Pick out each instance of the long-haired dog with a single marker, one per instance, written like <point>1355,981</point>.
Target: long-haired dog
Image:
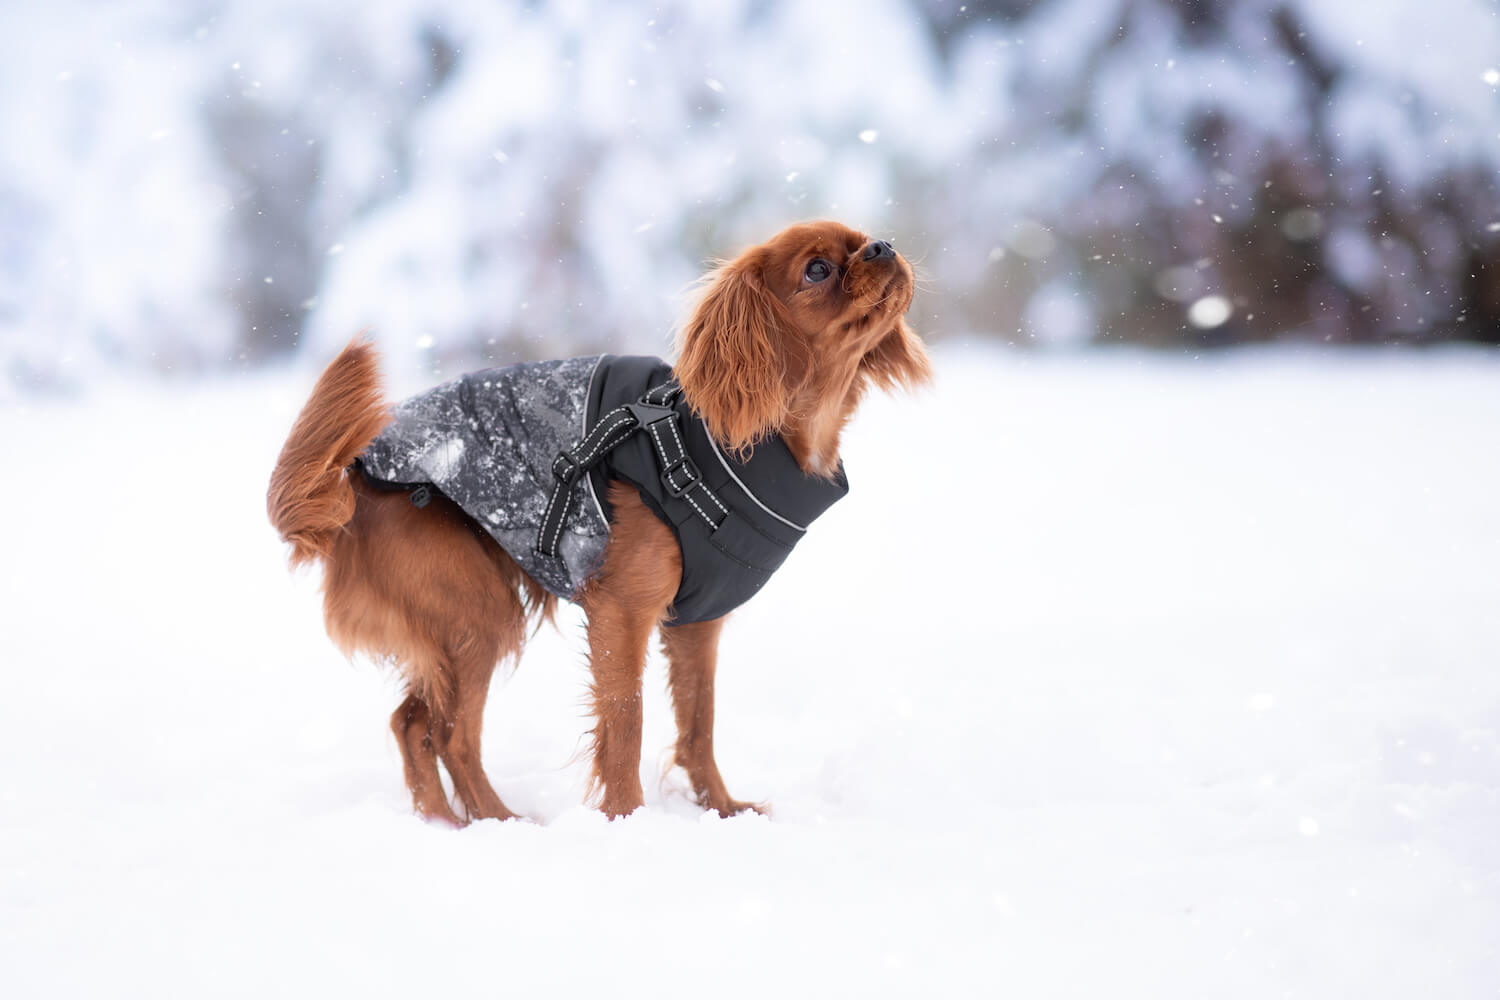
<point>784,341</point>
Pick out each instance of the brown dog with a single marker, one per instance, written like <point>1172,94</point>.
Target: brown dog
<point>782,345</point>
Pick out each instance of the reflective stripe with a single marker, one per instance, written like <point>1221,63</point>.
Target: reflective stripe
<point>583,429</point>
<point>720,455</point>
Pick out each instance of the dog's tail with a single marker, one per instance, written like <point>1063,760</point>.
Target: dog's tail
<point>310,498</point>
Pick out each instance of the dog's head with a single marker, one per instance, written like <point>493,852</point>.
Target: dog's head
<point>797,327</point>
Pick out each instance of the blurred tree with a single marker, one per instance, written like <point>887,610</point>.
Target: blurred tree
<point>1251,154</point>
<point>207,183</point>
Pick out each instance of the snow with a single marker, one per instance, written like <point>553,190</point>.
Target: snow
<point>1188,689</point>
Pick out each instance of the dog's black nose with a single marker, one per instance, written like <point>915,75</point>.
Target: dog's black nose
<point>878,249</point>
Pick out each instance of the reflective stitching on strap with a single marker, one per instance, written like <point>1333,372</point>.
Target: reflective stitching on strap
<point>683,451</point>
<point>710,521</point>
<point>668,390</point>
<point>667,463</point>
<point>606,436</point>
<point>542,543</point>
<point>618,423</point>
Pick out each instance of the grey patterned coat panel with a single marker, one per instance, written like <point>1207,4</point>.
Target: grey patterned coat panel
<point>487,440</point>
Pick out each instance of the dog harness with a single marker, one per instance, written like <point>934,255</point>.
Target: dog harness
<point>528,451</point>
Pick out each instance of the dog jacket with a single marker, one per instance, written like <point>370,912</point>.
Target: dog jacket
<point>528,451</point>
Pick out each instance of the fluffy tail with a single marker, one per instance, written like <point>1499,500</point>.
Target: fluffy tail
<point>310,498</point>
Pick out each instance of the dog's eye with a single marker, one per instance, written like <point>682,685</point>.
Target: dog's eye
<point>818,270</point>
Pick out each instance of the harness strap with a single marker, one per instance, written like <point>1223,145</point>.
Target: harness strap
<point>653,414</point>
<point>663,395</point>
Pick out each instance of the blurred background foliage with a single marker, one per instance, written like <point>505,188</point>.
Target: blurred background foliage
<point>198,185</point>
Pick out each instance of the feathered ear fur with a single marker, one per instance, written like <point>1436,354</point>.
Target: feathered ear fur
<point>898,360</point>
<point>734,355</point>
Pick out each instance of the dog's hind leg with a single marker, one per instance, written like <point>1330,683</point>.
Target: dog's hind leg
<point>460,746</point>
<point>412,724</point>
<point>487,627</point>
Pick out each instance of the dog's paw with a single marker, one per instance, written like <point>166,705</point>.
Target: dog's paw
<point>727,807</point>
<point>444,817</point>
<point>621,806</point>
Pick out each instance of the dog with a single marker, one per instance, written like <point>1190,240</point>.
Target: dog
<point>782,344</point>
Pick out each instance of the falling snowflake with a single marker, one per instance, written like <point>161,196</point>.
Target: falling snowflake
<point>1210,311</point>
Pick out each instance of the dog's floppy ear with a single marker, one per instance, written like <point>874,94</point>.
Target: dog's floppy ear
<point>898,360</point>
<point>733,355</point>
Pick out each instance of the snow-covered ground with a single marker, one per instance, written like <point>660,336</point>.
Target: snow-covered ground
<point>1116,675</point>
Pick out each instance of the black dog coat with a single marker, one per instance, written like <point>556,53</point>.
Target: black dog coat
<point>507,444</point>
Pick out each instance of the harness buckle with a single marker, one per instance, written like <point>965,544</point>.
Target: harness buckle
<point>647,414</point>
<point>690,472</point>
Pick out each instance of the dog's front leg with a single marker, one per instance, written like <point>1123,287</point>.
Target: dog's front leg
<point>631,594</point>
<point>692,656</point>
<point>617,656</point>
